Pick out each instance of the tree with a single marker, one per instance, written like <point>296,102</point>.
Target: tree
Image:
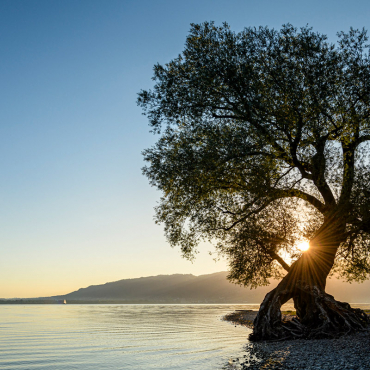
<point>264,143</point>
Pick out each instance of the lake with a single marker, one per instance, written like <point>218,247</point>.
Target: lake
<point>98,337</point>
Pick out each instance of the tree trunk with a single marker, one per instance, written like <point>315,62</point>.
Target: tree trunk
<point>319,315</point>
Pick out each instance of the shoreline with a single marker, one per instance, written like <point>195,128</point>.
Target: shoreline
<point>246,317</point>
<point>349,352</point>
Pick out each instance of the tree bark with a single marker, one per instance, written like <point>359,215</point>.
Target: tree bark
<point>319,315</point>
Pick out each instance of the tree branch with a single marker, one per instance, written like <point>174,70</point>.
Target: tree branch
<point>362,139</point>
<point>289,193</point>
<point>276,257</point>
<point>246,216</point>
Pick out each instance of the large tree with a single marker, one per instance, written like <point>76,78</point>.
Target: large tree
<point>263,144</point>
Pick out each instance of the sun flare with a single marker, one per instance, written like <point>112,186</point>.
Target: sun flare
<point>303,247</point>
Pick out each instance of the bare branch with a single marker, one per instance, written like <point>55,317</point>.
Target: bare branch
<point>276,257</point>
<point>302,195</point>
<point>362,139</point>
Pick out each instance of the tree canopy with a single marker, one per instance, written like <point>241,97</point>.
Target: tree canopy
<point>263,140</point>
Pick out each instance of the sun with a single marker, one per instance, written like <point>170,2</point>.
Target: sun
<point>303,247</point>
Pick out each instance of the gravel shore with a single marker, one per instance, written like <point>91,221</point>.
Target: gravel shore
<point>344,353</point>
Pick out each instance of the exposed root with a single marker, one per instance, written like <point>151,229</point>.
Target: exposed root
<point>324,317</point>
<point>336,318</point>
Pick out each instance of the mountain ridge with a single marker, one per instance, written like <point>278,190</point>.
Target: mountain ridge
<point>208,288</point>
<point>176,288</point>
<point>188,288</point>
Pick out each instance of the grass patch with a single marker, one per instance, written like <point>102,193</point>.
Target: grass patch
<point>289,313</point>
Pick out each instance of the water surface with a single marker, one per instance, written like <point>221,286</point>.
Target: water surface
<point>98,337</point>
<point>101,337</point>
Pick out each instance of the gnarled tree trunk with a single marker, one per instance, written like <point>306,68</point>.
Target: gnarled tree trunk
<point>319,315</point>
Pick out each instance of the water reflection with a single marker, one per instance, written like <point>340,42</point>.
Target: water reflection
<point>98,337</point>
<point>118,336</point>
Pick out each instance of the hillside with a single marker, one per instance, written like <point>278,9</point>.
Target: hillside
<point>178,288</point>
<point>212,288</point>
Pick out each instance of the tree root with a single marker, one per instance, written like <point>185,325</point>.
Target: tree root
<point>324,317</point>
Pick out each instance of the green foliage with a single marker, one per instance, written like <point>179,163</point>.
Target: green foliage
<point>263,138</point>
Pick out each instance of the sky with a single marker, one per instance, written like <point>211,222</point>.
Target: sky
<point>75,209</point>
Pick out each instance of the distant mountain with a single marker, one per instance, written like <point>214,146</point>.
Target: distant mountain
<point>212,288</point>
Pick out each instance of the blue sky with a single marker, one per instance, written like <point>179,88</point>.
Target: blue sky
<point>75,209</point>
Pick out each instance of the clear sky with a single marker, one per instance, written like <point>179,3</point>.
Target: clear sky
<point>75,209</point>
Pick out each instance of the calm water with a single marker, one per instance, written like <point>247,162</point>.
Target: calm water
<point>118,337</point>
<point>98,337</point>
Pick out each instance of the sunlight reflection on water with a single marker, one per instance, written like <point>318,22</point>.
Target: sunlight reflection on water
<point>96,337</point>
<point>118,336</point>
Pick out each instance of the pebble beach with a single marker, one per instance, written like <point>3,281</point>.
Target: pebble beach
<point>344,353</point>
